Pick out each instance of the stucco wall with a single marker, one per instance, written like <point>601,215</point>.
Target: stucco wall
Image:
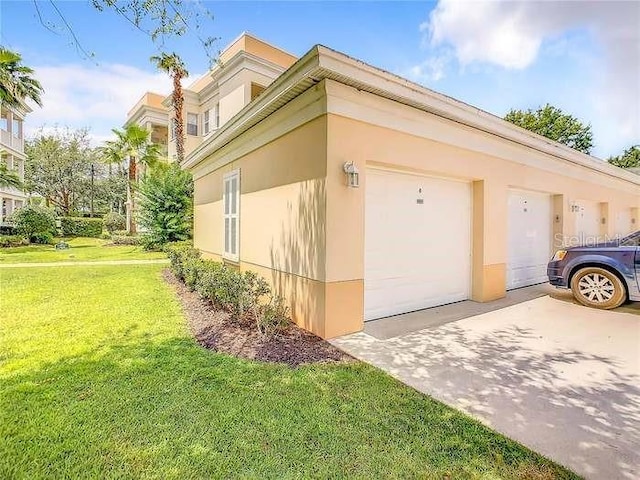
<point>303,229</point>
<point>282,217</point>
<point>374,132</point>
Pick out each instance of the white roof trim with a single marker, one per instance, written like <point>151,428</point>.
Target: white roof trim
<point>322,62</point>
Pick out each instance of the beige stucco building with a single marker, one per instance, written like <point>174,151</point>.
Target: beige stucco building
<point>453,203</point>
<point>12,154</point>
<point>244,69</point>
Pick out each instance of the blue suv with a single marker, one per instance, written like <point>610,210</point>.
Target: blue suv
<point>604,275</point>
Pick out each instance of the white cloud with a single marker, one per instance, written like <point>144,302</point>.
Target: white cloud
<point>97,97</point>
<point>510,34</point>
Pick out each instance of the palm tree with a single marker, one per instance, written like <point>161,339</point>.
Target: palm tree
<point>174,66</point>
<point>132,144</point>
<point>9,178</point>
<point>16,80</point>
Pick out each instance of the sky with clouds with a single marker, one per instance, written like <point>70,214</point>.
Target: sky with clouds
<point>583,57</point>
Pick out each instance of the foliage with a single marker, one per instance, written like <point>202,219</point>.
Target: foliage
<point>173,65</point>
<point>274,317</point>
<point>9,178</point>
<point>16,80</point>
<point>553,123</point>
<point>34,222</point>
<point>114,221</point>
<point>7,229</point>
<point>12,241</point>
<point>630,158</point>
<point>43,238</point>
<point>245,295</point>
<point>166,205</point>
<point>81,227</point>
<point>58,166</point>
<point>125,240</point>
<point>132,144</point>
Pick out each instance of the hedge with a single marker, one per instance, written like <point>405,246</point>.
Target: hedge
<point>245,295</point>
<point>81,227</point>
<point>12,241</point>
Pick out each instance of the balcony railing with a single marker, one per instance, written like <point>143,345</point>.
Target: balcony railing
<point>9,140</point>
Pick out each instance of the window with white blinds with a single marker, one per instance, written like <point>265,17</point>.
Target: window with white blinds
<point>231,202</point>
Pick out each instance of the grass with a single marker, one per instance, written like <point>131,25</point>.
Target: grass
<point>82,249</point>
<point>99,378</point>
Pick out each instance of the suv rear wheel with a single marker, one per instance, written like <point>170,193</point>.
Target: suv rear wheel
<point>597,287</point>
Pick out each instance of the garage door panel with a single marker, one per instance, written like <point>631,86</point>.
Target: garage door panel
<point>530,234</point>
<point>417,243</point>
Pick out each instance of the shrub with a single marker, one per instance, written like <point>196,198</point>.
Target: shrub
<point>43,238</point>
<point>7,230</point>
<point>245,295</point>
<point>178,253</point>
<point>125,240</point>
<point>114,221</point>
<point>12,241</point>
<point>81,227</point>
<point>32,220</point>
<point>274,317</point>
<point>105,236</point>
<point>166,205</point>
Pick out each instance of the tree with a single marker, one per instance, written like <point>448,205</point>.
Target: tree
<point>173,65</point>
<point>553,123</point>
<point>16,80</point>
<point>57,166</point>
<point>8,178</point>
<point>630,158</point>
<point>134,144</point>
<point>166,205</point>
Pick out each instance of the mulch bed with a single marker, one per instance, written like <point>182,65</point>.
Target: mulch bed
<point>214,329</point>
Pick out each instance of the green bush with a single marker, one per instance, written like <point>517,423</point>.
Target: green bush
<point>105,236</point>
<point>12,241</point>
<point>114,221</point>
<point>32,221</point>
<point>245,295</point>
<point>273,317</point>
<point>166,205</point>
<point>43,238</point>
<point>81,227</point>
<point>125,240</point>
<point>178,253</point>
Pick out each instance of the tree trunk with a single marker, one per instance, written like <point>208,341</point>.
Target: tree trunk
<point>178,101</point>
<point>131,193</point>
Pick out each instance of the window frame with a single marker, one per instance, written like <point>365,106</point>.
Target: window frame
<point>205,122</point>
<point>188,124</point>
<point>232,217</point>
<point>216,116</point>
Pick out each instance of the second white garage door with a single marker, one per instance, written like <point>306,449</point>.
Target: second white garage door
<point>530,236</point>
<point>417,242</point>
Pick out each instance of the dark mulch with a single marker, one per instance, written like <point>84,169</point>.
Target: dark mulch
<point>215,330</point>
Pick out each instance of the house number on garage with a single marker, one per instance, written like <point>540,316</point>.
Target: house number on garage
<point>420,200</point>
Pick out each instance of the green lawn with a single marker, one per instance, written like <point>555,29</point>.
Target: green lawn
<point>99,378</point>
<point>82,249</point>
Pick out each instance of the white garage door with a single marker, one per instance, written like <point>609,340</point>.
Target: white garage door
<point>530,236</point>
<point>417,242</point>
<point>623,225</point>
<point>587,222</point>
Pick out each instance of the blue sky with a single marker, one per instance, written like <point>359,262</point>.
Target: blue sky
<point>582,57</point>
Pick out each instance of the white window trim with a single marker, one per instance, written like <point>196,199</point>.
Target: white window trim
<point>231,216</point>
<point>196,124</point>
<point>206,122</point>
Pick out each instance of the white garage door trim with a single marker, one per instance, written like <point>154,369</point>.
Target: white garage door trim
<point>530,235</point>
<point>417,242</point>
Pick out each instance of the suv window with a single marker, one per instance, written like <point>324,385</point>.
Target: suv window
<point>632,240</point>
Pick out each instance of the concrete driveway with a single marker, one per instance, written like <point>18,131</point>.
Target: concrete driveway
<point>558,377</point>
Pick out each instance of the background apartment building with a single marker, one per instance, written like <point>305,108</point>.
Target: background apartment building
<point>244,70</point>
<point>12,154</point>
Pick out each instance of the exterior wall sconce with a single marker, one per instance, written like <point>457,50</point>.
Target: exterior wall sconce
<point>353,175</point>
